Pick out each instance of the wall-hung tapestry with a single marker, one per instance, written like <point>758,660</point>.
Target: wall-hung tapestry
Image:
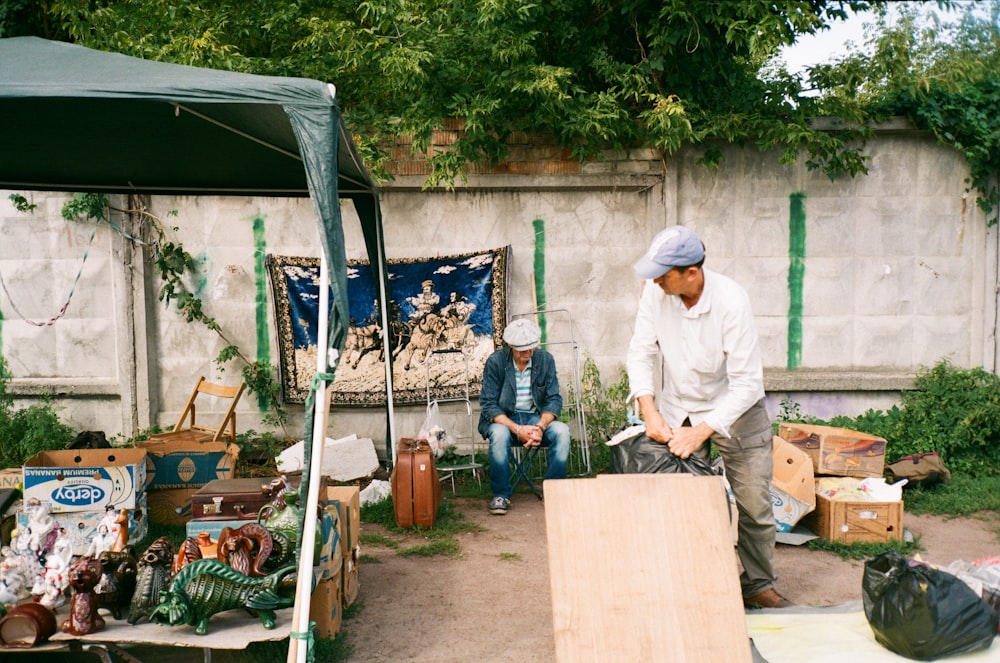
<point>446,315</point>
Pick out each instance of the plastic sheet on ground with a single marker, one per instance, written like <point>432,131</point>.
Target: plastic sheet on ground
<point>829,635</point>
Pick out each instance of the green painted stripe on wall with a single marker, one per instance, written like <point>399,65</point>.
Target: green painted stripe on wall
<point>260,301</point>
<point>796,275</point>
<point>539,267</point>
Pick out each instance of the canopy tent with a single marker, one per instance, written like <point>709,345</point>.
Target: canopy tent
<point>77,119</point>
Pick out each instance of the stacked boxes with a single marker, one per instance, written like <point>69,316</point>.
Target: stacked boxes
<point>347,500</point>
<point>846,453</point>
<point>837,451</point>
<point>80,485</point>
<point>793,493</point>
<point>178,465</point>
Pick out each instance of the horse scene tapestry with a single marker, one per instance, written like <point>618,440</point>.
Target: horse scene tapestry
<point>446,316</point>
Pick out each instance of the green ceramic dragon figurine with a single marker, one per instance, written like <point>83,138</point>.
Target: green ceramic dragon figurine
<point>205,587</point>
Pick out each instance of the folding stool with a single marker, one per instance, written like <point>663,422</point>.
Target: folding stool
<point>521,460</point>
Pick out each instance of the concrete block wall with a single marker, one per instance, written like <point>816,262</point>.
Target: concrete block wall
<point>900,270</point>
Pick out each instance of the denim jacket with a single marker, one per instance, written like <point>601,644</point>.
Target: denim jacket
<point>499,390</point>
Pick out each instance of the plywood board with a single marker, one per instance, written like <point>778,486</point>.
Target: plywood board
<point>643,569</point>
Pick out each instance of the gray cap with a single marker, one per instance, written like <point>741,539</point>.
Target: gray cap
<point>675,246</point>
<point>522,334</point>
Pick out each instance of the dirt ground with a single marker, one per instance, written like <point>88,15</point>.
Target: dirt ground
<point>493,603</point>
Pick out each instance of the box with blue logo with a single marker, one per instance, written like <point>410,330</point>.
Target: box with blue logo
<point>82,526</point>
<point>87,479</point>
<point>180,460</point>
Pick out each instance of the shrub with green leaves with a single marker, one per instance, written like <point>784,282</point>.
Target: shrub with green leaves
<point>605,409</point>
<point>26,431</point>
<point>954,411</point>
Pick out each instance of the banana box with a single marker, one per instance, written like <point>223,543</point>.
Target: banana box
<point>86,479</point>
<point>837,451</point>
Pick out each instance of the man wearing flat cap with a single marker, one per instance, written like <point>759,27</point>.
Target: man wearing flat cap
<point>696,331</point>
<point>520,405</point>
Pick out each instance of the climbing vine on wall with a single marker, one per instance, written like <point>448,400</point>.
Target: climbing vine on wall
<point>175,266</point>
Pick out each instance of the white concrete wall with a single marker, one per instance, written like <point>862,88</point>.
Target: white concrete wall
<point>900,271</point>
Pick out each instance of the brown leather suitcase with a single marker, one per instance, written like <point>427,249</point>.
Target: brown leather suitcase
<point>240,499</point>
<point>416,487</point>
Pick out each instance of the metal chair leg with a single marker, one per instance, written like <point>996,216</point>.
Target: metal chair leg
<point>521,467</point>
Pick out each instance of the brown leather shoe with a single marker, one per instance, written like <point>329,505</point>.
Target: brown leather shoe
<point>769,598</point>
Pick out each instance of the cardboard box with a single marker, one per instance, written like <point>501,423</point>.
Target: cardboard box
<point>849,522</point>
<point>793,492</point>
<point>837,451</point>
<point>86,479</point>
<point>326,609</point>
<point>212,527</point>
<point>82,525</point>
<point>186,461</point>
<point>348,500</point>
<point>331,559</point>
<point>12,478</point>
<point>327,556</point>
<point>352,580</point>
<point>170,507</point>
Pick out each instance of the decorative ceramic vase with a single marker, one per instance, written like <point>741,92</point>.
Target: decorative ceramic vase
<point>27,625</point>
<point>287,521</point>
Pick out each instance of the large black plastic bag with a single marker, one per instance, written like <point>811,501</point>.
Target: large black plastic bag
<point>641,455</point>
<point>921,612</point>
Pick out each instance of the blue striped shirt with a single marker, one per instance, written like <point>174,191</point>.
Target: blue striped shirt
<point>522,379</point>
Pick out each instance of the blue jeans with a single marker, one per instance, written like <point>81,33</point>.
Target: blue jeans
<point>556,439</point>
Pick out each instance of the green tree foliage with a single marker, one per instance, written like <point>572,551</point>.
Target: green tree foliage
<point>945,77</point>
<point>953,411</point>
<point>595,74</point>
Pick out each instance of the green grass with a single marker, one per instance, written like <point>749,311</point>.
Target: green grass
<point>962,496</point>
<point>444,547</point>
<point>510,557</point>
<point>865,550</point>
<point>380,540</point>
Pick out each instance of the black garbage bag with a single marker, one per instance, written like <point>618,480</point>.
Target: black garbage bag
<point>921,612</point>
<point>90,439</point>
<point>641,455</point>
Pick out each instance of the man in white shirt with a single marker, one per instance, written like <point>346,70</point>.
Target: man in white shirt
<point>696,328</point>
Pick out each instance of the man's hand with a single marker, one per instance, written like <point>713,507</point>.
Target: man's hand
<point>532,435</point>
<point>688,439</point>
<point>657,427</point>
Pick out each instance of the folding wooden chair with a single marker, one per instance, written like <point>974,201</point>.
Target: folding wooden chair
<point>189,427</point>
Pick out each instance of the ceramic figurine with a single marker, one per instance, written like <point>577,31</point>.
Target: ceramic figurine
<point>41,530</point>
<point>191,549</point>
<point>121,533</point>
<point>207,586</point>
<point>55,579</point>
<point>19,566</point>
<point>151,578</point>
<point>245,549</point>
<point>10,590</point>
<point>287,519</point>
<point>117,584</point>
<point>282,551</point>
<point>84,618</point>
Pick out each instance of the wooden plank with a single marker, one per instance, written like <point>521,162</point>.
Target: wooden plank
<point>643,569</point>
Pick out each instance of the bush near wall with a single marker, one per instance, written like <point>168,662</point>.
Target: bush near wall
<point>26,431</point>
<point>954,411</point>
